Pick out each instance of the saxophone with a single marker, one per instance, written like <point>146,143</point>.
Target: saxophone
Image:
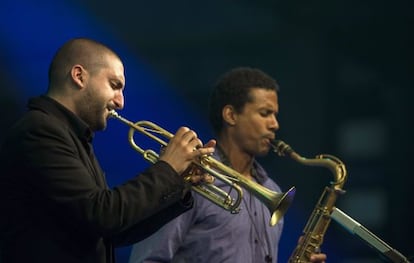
<point>318,223</point>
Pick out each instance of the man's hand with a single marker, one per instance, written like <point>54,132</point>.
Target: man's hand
<point>315,257</point>
<point>195,174</point>
<point>318,258</point>
<point>184,148</point>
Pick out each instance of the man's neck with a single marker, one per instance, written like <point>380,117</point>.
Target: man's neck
<point>239,160</point>
<point>67,100</point>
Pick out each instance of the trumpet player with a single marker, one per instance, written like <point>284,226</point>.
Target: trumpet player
<point>243,110</point>
<point>54,201</point>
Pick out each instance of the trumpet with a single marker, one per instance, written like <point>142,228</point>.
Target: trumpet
<point>277,203</point>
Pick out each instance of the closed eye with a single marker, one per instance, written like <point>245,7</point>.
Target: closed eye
<point>267,113</point>
<point>117,85</point>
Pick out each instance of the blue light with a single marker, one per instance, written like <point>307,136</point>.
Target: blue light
<point>31,32</point>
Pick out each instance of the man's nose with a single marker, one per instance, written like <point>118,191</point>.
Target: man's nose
<point>119,100</point>
<point>274,124</point>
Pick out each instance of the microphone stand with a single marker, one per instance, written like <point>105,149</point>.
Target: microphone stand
<point>392,255</point>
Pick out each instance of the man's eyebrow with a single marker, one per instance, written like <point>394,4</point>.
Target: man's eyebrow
<point>118,83</point>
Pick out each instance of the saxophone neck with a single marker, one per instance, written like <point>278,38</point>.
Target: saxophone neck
<point>334,164</point>
<point>319,220</point>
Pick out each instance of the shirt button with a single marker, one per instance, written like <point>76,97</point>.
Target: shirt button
<point>256,241</point>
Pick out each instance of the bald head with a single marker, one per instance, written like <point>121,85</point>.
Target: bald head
<point>86,52</point>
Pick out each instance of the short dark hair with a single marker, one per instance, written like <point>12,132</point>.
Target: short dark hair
<point>233,88</point>
<point>87,52</point>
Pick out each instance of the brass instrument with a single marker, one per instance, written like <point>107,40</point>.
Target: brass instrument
<point>318,223</point>
<point>277,203</point>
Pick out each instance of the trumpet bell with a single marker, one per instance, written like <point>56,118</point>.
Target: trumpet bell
<point>281,204</point>
<point>277,203</point>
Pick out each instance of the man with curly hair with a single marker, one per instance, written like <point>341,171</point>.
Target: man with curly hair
<point>243,110</point>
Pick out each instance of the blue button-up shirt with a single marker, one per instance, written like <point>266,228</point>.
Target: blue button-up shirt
<point>208,233</point>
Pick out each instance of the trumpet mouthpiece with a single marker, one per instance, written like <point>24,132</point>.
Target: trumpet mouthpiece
<point>113,113</point>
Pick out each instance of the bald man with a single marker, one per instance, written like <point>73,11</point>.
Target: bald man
<point>54,201</point>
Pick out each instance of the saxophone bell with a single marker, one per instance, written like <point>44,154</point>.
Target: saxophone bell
<point>320,218</point>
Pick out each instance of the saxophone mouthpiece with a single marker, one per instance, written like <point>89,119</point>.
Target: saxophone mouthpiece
<point>281,148</point>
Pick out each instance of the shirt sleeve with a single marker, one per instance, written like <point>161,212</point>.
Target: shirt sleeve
<point>52,161</point>
<point>148,226</point>
<point>163,245</point>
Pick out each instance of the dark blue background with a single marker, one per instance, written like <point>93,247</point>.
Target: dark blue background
<point>345,69</point>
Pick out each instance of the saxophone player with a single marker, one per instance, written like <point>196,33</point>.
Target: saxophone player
<point>243,110</point>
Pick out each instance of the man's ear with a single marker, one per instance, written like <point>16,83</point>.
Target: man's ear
<point>79,75</point>
<point>229,115</point>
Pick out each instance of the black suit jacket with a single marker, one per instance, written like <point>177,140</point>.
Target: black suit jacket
<point>55,205</point>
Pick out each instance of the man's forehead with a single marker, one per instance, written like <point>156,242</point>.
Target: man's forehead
<point>260,94</point>
<point>115,67</point>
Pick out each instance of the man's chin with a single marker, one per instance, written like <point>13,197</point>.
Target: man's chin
<point>264,151</point>
<point>103,126</point>
<point>99,126</point>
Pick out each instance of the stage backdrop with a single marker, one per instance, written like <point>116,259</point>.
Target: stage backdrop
<point>345,71</point>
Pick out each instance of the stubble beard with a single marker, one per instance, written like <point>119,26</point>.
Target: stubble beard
<point>97,119</point>
<point>262,149</point>
<point>93,114</point>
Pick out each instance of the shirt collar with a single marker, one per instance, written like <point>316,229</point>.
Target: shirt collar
<point>51,106</point>
<point>258,173</point>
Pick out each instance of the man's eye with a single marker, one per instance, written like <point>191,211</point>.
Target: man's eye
<point>115,85</point>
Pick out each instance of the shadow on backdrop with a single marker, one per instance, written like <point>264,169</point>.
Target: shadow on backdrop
<point>345,71</point>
